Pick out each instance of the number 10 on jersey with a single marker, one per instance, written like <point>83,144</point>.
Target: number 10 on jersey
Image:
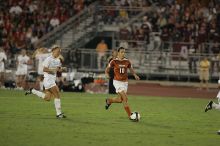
<point>122,70</point>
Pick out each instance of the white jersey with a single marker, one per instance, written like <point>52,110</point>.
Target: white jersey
<point>2,64</point>
<point>22,68</point>
<point>51,63</point>
<point>41,58</point>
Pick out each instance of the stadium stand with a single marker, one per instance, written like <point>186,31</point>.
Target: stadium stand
<point>24,22</point>
<point>164,38</point>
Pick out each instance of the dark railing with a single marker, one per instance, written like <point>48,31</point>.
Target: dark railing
<point>150,63</point>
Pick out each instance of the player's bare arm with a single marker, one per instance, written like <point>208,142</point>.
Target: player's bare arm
<point>134,74</point>
<point>61,69</point>
<point>50,70</point>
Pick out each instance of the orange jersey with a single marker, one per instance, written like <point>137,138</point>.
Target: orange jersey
<point>120,68</point>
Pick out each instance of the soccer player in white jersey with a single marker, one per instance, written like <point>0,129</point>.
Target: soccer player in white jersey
<point>40,56</point>
<point>214,105</point>
<point>3,58</point>
<point>51,65</point>
<point>22,69</point>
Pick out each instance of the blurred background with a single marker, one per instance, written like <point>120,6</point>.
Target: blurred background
<point>166,40</point>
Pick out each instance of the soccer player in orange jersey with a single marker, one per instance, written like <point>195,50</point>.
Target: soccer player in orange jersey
<point>120,82</point>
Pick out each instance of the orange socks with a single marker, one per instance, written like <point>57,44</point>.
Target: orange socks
<point>119,100</point>
<point>128,110</point>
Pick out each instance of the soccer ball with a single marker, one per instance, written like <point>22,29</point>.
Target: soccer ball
<point>135,116</point>
<point>218,132</point>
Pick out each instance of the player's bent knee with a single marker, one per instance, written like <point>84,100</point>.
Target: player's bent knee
<point>119,100</point>
<point>47,98</point>
<point>124,99</point>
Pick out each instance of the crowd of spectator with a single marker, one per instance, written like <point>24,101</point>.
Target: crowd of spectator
<point>192,21</point>
<point>24,22</point>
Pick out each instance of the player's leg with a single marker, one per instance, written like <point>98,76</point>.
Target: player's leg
<point>36,92</point>
<point>48,84</point>
<point>208,106</point>
<point>57,102</point>
<point>207,84</point>
<point>201,80</point>
<point>217,105</point>
<point>2,79</point>
<point>119,86</point>
<point>109,101</point>
<point>117,99</point>
<point>125,103</point>
<point>212,104</point>
<point>23,81</point>
<point>48,95</point>
<point>40,80</point>
<point>206,80</point>
<point>17,81</point>
<point>121,89</point>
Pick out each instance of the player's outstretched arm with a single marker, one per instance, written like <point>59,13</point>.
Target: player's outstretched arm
<point>134,74</point>
<point>62,69</point>
<point>50,70</point>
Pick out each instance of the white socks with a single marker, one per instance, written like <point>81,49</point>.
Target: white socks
<point>57,104</point>
<point>41,86</point>
<point>57,101</point>
<point>216,106</point>
<point>38,93</point>
<point>218,95</point>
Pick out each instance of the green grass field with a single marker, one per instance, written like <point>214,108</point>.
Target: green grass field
<point>30,121</point>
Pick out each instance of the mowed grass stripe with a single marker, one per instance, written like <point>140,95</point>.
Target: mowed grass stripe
<point>29,121</point>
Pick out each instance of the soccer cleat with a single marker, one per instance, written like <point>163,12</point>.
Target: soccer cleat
<point>29,91</point>
<point>218,132</point>
<point>130,119</point>
<point>208,106</point>
<point>107,105</point>
<point>61,116</point>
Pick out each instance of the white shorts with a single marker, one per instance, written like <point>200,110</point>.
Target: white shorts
<point>49,83</point>
<point>218,95</point>
<point>120,86</point>
<point>40,70</point>
<point>21,71</point>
